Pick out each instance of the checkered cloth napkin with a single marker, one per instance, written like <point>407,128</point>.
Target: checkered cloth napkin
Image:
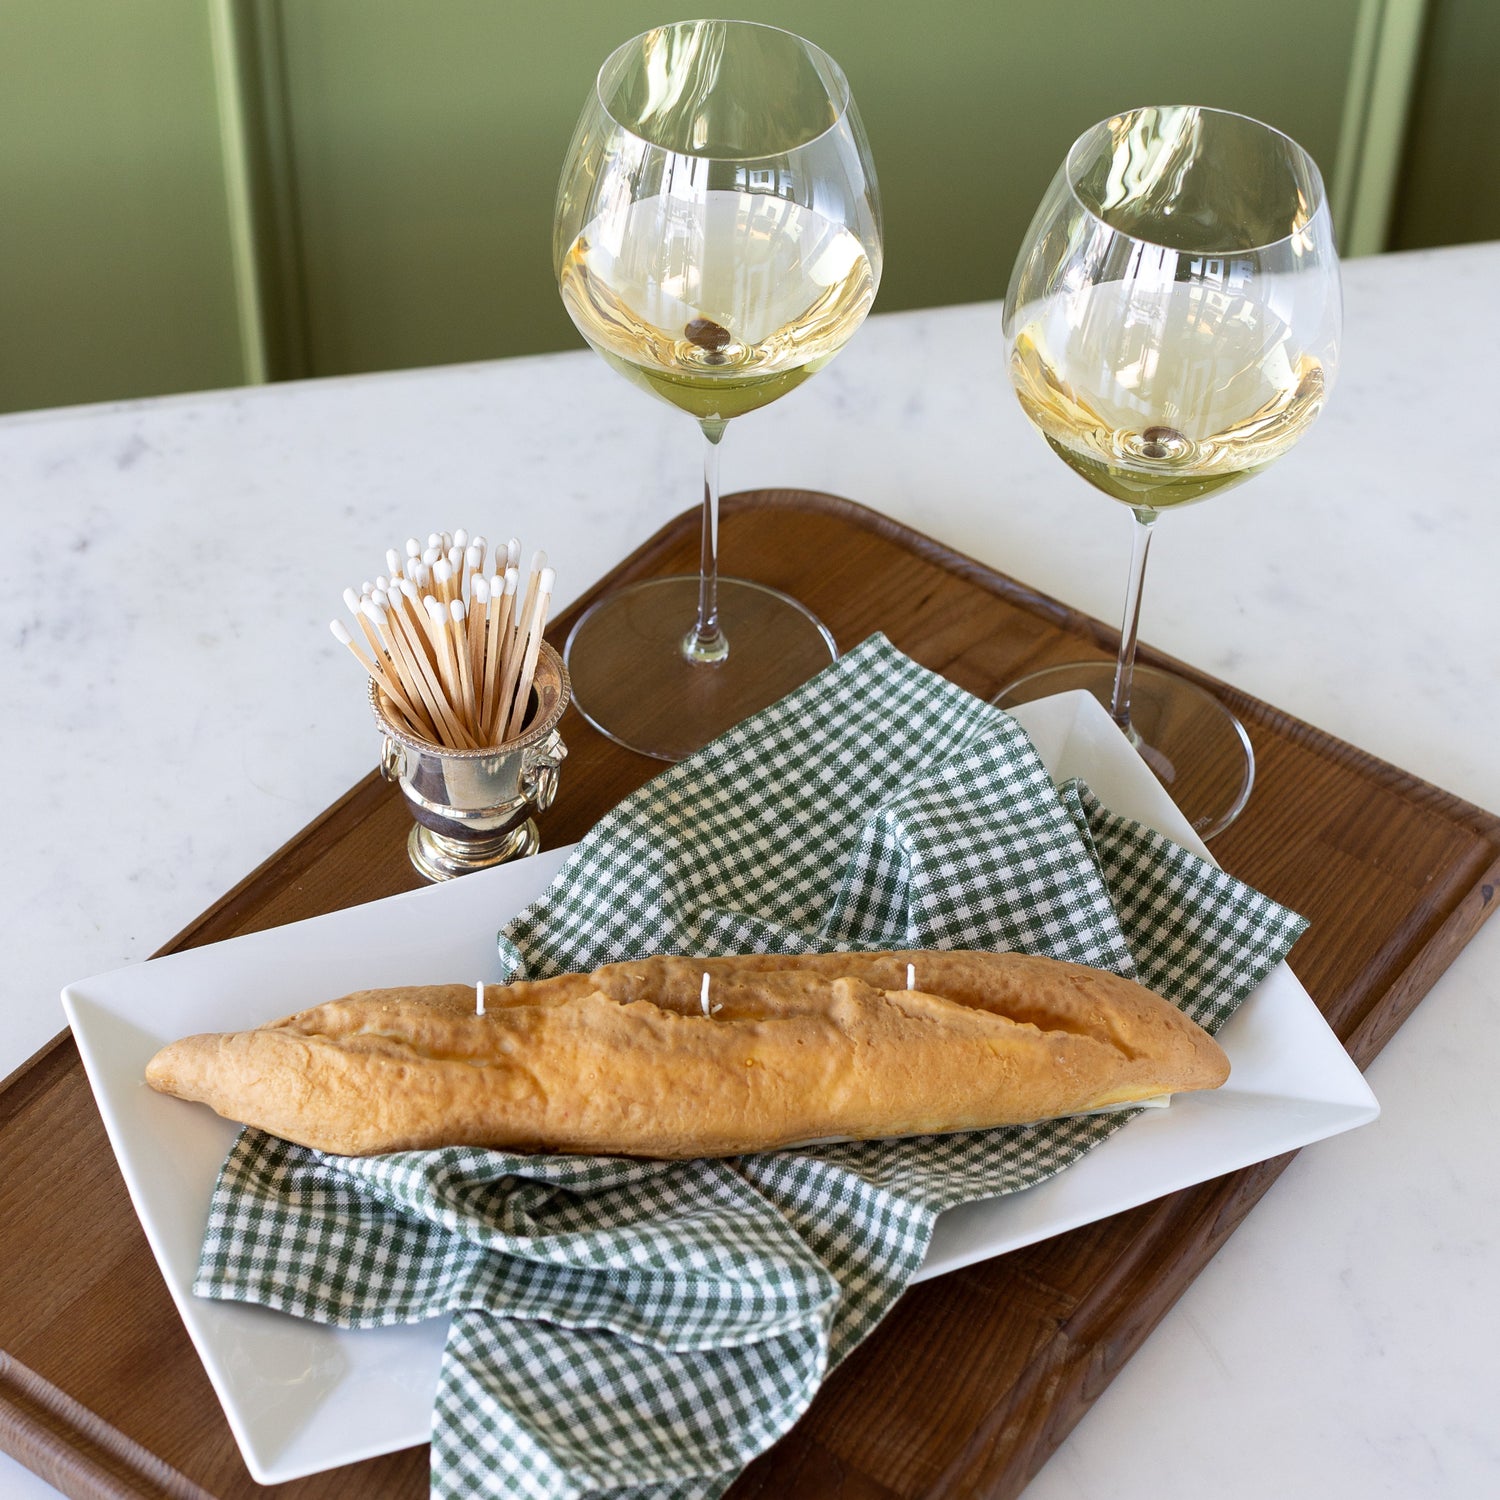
<point>644,1329</point>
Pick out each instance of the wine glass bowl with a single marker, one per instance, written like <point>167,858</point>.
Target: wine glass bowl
<point>717,241</point>
<point>1173,323</point>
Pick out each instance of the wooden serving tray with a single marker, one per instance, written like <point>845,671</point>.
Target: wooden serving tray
<point>975,1377</point>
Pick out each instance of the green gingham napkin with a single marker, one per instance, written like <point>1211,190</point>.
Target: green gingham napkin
<point>644,1329</point>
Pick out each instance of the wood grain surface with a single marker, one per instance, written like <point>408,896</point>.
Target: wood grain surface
<point>975,1377</point>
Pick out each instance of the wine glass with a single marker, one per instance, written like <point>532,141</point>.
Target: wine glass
<point>717,241</point>
<point>1173,324</point>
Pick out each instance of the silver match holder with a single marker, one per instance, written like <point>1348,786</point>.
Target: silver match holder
<point>473,808</point>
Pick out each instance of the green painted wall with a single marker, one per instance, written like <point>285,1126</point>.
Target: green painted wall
<point>405,155</point>
<point>115,271</point>
<point>428,139</point>
<point>1452,158</point>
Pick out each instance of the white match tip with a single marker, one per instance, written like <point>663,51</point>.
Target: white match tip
<point>512,577</point>
<point>456,610</point>
<point>392,560</point>
<point>352,600</point>
<point>409,591</point>
<point>472,556</point>
<point>431,555</point>
<point>421,575</point>
<point>382,583</point>
<point>481,588</point>
<point>380,599</point>
<point>513,552</point>
<point>548,578</point>
<point>434,540</point>
<point>461,537</point>
<point>341,635</point>
<point>434,609</point>
<point>446,540</point>
<point>442,570</point>
<point>367,587</point>
<point>371,610</point>
<point>538,561</point>
<point>413,547</point>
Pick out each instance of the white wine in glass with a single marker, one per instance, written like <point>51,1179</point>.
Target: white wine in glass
<point>1173,323</point>
<point>801,286</point>
<point>717,242</point>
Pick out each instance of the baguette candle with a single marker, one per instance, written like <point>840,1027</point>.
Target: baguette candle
<point>623,1060</point>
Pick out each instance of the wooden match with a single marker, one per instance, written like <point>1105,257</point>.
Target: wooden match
<point>450,648</point>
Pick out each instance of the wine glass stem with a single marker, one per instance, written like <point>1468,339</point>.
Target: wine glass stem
<point>1119,706</point>
<point>705,642</point>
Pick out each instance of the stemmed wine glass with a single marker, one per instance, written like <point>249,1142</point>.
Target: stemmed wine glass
<point>717,241</point>
<point>1173,322</point>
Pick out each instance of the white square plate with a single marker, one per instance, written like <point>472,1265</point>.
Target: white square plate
<point>301,1398</point>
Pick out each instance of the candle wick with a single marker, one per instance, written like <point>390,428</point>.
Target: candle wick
<point>479,998</point>
<point>911,976</point>
<point>703,997</point>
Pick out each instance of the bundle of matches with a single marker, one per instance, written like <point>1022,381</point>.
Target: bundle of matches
<point>452,649</point>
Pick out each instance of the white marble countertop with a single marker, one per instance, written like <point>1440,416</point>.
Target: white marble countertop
<point>176,709</point>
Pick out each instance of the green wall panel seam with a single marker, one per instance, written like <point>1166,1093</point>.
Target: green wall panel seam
<point>1343,184</point>
<point>1377,108</point>
<point>244,234</point>
<point>1397,61</point>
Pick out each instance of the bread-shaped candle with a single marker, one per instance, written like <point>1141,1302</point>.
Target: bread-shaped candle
<point>686,1057</point>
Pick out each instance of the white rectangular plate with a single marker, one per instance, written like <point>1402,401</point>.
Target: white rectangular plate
<point>301,1398</point>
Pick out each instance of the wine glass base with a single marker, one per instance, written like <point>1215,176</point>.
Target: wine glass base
<point>631,681</point>
<point>1196,748</point>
